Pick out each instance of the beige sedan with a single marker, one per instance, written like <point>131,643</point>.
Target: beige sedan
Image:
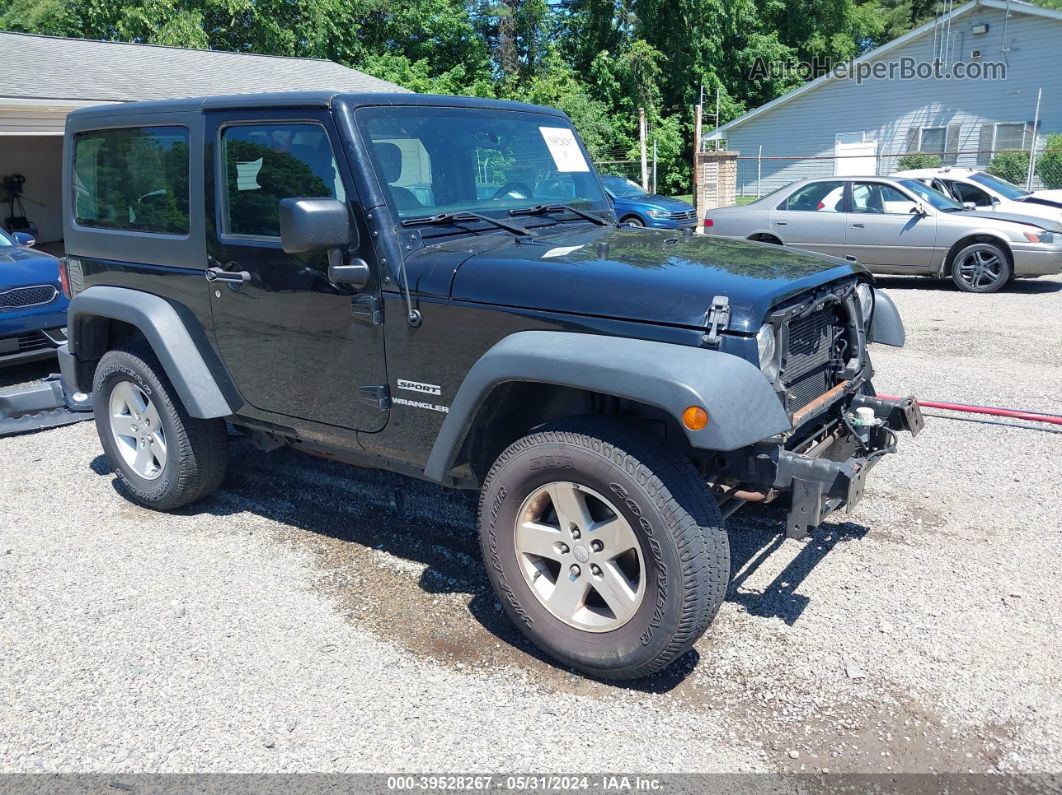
<point>898,226</point>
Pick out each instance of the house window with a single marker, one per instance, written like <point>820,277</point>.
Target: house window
<point>1010,136</point>
<point>933,139</point>
<point>132,178</point>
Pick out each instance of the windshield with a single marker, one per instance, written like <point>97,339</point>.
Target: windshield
<point>451,160</point>
<point>929,196</point>
<point>623,188</point>
<point>1000,186</point>
<point>5,241</point>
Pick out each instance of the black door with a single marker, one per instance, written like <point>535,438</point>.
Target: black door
<point>295,343</point>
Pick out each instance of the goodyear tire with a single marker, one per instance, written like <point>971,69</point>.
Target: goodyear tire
<point>164,458</point>
<point>604,547</point>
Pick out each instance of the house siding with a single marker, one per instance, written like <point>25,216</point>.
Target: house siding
<point>888,110</point>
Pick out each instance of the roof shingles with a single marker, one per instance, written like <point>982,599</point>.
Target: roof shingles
<point>45,67</point>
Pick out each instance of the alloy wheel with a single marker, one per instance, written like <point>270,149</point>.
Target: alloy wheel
<point>137,430</point>
<point>981,268</point>
<point>580,557</point>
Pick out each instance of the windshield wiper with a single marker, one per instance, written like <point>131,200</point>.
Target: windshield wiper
<point>542,209</point>
<point>449,218</point>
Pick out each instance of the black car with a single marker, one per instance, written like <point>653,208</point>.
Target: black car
<point>438,286</point>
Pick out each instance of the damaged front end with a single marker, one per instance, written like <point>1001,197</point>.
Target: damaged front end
<point>822,374</point>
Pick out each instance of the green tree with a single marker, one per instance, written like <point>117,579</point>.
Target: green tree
<point>1049,164</point>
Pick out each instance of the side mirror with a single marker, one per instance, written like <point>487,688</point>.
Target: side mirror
<point>920,210</point>
<point>969,205</point>
<point>315,225</point>
<point>24,239</point>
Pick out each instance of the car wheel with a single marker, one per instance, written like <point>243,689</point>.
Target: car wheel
<point>605,548</point>
<point>164,458</point>
<point>980,268</point>
<point>633,220</point>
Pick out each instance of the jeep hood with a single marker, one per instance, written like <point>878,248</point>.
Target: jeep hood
<point>647,275</point>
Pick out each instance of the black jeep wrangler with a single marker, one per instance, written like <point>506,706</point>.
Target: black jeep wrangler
<point>438,286</point>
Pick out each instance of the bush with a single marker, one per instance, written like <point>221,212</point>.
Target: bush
<point>918,160</point>
<point>1049,164</point>
<point>1013,166</point>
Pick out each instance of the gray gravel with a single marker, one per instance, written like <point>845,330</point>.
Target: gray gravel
<point>314,617</point>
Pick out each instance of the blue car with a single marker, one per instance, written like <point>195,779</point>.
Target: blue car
<point>635,205</point>
<point>32,301</point>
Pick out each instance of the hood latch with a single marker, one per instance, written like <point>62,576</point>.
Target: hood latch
<point>716,318</point>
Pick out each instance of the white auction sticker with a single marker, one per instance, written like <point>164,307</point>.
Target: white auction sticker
<point>564,148</point>
<point>561,251</point>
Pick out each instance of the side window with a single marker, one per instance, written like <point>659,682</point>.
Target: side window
<point>133,179</point>
<point>823,197</point>
<point>265,163</point>
<point>880,199</point>
<point>968,193</point>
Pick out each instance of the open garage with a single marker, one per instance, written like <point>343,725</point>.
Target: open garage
<point>48,77</point>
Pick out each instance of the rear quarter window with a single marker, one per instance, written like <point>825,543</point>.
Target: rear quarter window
<point>132,179</point>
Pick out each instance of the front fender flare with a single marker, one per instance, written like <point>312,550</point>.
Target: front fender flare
<point>886,326</point>
<point>741,403</point>
<point>169,338</point>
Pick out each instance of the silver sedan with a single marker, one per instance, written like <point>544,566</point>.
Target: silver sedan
<point>899,226</point>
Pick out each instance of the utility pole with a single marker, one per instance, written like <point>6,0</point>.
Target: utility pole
<point>696,148</point>
<point>641,145</point>
<point>1032,146</point>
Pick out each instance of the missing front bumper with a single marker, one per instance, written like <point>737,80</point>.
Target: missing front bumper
<point>819,485</point>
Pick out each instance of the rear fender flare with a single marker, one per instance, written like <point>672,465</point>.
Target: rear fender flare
<point>741,403</point>
<point>181,358</point>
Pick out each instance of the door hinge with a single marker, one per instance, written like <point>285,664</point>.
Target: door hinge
<point>367,309</point>
<point>378,395</point>
<point>716,318</point>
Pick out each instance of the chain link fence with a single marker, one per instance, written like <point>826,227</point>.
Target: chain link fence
<point>760,174</point>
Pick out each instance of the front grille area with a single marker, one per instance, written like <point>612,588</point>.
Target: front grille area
<point>808,360</point>
<point>21,297</point>
<point>683,215</point>
<point>24,343</point>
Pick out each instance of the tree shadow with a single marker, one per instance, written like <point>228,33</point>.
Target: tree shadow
<point>1017,286</point>
<point>436,527</point>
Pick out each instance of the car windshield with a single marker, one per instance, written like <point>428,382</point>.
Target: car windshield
<point>1001,186</point>
<point>623,188</point>
<point>450,160</point>
<point>934,198</point>
<point>5,241</point>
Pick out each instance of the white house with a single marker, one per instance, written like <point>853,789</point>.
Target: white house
<point>998,54</point>
<point>47,77</point>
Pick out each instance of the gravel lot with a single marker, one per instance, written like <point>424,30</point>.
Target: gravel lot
<point>315,617</point>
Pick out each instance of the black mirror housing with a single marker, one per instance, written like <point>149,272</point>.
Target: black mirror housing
<point>314,224</point>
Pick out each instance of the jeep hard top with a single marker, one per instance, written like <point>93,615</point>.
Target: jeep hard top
<point>438,286</point>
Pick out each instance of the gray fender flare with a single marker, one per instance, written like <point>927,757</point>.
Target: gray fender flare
<point>168,336</point>
<point>886,326</point>
<point>741,403</point>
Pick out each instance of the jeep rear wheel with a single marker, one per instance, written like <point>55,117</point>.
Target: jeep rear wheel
<point>604,547</point>
<point>164,458</point>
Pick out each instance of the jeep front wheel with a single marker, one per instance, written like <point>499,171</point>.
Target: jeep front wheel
<point>604,547</point>
<point>164,457</point>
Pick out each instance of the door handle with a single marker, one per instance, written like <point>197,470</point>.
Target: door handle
<point>229,277</point>
<point>780,223</point>
<point>857,226</point>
